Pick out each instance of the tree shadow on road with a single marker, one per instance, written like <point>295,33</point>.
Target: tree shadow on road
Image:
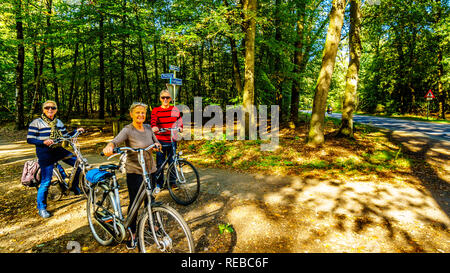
<point>426,150</point>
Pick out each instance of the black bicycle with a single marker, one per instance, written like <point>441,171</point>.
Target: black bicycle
<point>181,177</point>
<point>160,227</point>
<point>61,182</point>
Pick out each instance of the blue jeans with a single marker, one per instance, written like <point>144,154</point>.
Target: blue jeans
<point>46,179</point>
<point>167,151</point>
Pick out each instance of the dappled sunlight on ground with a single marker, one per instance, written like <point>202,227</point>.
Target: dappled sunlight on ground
<point>372,195</point>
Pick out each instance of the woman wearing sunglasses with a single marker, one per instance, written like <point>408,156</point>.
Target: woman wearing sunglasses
<point>41,132</point>
<point>165,116</point>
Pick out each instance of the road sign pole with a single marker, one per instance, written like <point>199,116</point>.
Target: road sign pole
<point>174,90</point>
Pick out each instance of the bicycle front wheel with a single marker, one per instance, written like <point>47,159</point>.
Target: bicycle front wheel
<point>100,209</point>
<point>172,232</point>
<point>183,182</point>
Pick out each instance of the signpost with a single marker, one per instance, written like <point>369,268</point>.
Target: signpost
<point>430,96</point>
<point>174,68</point>
<point>174,82</point>
<point>167,76</point>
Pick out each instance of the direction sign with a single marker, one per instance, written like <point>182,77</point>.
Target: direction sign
<point>176,81</point>
<point>173,67</point>
<point>429,95</point>
<point>167,76</point>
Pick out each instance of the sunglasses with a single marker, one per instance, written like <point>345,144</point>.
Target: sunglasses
<point>50,107</point>
<point>165,98</point>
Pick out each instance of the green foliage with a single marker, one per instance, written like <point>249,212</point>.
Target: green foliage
<point>225,228</point>
<point>399,61</point>
<point>215,148</point>
<point>399,64</point>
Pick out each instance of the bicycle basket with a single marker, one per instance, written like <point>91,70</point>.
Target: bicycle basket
<point>96,175</point>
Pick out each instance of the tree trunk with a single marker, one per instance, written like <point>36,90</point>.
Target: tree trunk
<point>101,103</point>
<point>156,80</point>
<point>147,92</point>
<point>37,89</point>
<point>441,94</point>
<point>279,78</point>
<point>298,60</point>
<point>200,77</point>
<point>146,89</point>
<point>250,31</point>
<point>52,55</point>
<point>234,58</point>
<point>316,130</point>
<point>111,94</point>
<point>20,118</point>
<point>85,86</point>
<point>139,94</point>
<point>346,129</point>
<point>72,82</point>
<point>122,83</point>
<point>122,70</point>
<point>248,95</point>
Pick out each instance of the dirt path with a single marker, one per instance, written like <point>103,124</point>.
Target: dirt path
<point>266,213</point>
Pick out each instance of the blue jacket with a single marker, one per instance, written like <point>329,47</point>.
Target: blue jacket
<point>38,131</point>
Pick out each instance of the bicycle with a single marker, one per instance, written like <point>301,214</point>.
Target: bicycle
<point>182,178</point>
<point>59,187</point>
<point>160,227</point>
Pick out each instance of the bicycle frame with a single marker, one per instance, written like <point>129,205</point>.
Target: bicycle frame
<point>175,156</point>
<point>81,162</point>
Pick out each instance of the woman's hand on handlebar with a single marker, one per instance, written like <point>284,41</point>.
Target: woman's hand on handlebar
<point>157,147</point>
<point>109,149</point>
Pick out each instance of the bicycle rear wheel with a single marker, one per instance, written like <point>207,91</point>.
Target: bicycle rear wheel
<point>183,182</point>
<point>172,232</point>
<point>100,209</point>
<point>56,190</point>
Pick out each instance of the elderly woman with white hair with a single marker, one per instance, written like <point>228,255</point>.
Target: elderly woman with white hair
<point>135,135</point>
<point>42,132</point>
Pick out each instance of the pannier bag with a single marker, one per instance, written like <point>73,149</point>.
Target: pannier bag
<point>96,175</point>
<point>31,174</point>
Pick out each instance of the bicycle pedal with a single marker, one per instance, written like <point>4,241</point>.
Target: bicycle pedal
<point>156,191</point>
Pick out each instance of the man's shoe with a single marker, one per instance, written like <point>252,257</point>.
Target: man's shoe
<point>44,213</point>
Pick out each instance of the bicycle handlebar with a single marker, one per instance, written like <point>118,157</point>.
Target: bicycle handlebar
<point>163,130</point>
<point>66,138</point>
<point>121,150</point>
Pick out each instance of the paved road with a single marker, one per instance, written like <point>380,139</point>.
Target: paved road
<point>440,131</point>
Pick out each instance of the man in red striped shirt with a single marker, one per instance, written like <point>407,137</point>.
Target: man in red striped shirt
<point>165,116</point>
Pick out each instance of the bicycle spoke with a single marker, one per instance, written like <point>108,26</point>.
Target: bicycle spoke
<point>100,205</point>
<point>171,231</point>
<point>186,179</point>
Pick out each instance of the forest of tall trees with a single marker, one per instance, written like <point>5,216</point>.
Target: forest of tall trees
<point>94,57</point>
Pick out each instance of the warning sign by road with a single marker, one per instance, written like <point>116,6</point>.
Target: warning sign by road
<point>429,95</point>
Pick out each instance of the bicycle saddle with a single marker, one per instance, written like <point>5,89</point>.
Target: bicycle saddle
<point>109,167</point>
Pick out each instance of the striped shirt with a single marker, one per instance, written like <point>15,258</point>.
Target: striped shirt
<point>38,131</point>
<point>165,118</point>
